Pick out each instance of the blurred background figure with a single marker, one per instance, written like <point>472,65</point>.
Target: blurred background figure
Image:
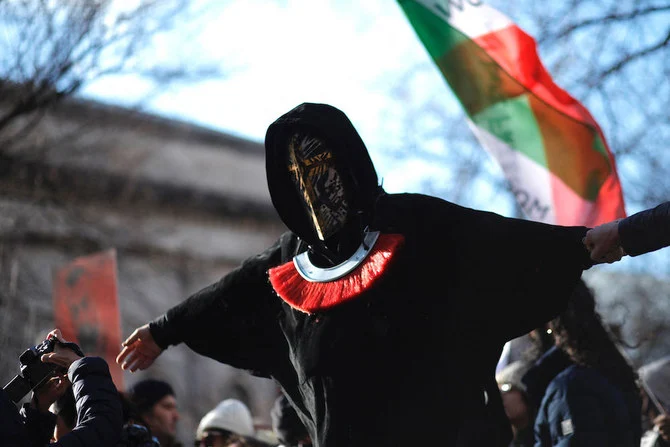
<point>515,349</point>
<point>134,432</point>
<point>591,395</point>
<point>655,384</point>
<point>287,425</point>
<point>229,424</point>
<point>516,402</point>
<point>156,406</point>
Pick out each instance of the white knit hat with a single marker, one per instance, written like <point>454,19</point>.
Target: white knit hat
<point>229,414</point>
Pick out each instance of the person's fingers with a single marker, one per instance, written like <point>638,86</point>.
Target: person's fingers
<point>123,354</point>
<point>133,365</point>
<point>127,356</point>
<point>136,335</point>
<point>145,363</point>
<point>139,359</point>
<point>54,334</point>
<point>131,339</point>
<point>612,256</point>
<point>141,362</point>
<point>588,240</point>
<point>54,358</point>
<point>59,335</point>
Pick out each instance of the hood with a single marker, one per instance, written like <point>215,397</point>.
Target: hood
<point>350,153</point>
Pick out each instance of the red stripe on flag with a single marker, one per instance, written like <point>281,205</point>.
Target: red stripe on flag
<point>516,53</point>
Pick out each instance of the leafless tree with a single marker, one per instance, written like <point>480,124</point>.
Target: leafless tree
<point>50,49</point>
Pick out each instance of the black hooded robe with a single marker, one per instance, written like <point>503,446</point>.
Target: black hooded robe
<point>411,361</point>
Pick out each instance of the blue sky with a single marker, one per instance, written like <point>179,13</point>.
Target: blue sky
<point>351,54</point>
<point>282,53</point>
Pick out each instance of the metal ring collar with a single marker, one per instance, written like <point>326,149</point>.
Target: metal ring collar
<point>313,273</point>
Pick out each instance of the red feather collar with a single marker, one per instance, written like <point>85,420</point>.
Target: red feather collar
<point>310,297</point>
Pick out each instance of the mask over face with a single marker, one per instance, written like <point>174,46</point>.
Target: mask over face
<point>320,185</point>
<point>321,180</point>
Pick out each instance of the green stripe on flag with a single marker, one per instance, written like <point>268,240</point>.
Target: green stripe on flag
<point>437,36</point>
<point>500,82</point>
<point>513,122</point>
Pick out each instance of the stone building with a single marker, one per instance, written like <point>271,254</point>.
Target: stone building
<point>180,204</point>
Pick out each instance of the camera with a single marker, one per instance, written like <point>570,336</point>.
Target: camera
<point>134,435</point>
<point>34,372</point>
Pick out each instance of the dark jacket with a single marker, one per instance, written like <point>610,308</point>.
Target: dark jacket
<point>99,414</point>
<point>411,360</point>
<point>544,370</point>
<point>646,231</point>
<point>581,407</point>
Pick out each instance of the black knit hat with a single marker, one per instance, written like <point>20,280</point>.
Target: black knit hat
<point>146,393</point>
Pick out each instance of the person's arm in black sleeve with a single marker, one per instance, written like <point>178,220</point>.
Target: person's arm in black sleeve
<point>39,425</point>
<point>532,269</point>
<point>645,231</point>
<point>234,321</point>
<point>12,429</point>
<point>513,274</point>
<point>99,412</point>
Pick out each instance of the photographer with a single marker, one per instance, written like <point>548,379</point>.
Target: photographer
<point>99,413</point>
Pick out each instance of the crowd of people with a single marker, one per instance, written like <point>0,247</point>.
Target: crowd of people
<point>382,317</point>
<point>78,405</point>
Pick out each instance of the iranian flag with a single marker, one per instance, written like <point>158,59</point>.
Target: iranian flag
<point>548,145</point>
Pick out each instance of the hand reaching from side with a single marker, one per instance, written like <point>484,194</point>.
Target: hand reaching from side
<point>139,350</point>
<point>603,243</point>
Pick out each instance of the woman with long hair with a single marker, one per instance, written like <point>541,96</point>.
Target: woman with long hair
<point>592,397</point>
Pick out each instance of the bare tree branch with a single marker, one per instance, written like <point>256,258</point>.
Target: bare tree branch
<point>54,48</point>
<point>627,59</point>
<point>600,21</point>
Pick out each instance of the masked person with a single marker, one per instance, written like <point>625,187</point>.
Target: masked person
<point>376,313</point>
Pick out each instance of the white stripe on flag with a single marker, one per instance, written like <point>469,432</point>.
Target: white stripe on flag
<point>471,17</point>
<point>530,182</point>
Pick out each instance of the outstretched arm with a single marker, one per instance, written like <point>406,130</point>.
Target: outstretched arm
<point>139,350</point>
<point>603,243</point>
<point>233,321</point>
<point>643,232</point>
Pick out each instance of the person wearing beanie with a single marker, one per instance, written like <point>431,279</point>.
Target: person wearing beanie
<point>229,424</point>
<point>655,384</point>
<point>156,405</point>
<point>287,425</point>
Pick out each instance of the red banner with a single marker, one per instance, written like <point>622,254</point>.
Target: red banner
<point>86,307</point>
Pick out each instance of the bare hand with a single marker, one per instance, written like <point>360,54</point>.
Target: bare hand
<point>662,422</point>
<point>61,355</point>
<point>49,392</point>
<point>139,350</point>
<point>603,244</point>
